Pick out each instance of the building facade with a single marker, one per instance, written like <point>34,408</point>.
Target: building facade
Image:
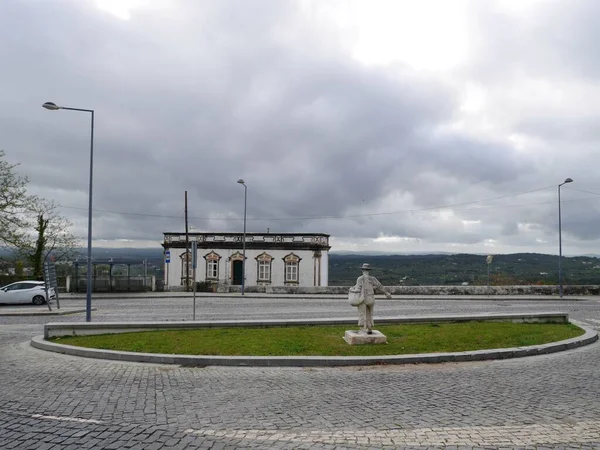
<point>272,259</point>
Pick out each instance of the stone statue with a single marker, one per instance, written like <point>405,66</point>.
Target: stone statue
<point>364,294</point>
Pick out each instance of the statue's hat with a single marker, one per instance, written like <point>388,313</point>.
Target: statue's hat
<point>365,266</point>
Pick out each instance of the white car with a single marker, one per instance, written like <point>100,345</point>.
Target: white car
<point>26,292</point>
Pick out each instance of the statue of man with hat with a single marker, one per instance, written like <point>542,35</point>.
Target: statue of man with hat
<point>364,291</point>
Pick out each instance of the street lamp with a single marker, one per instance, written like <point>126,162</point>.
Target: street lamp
<point>560,280</point>
<point>240,181</point>
<point>88,306</point>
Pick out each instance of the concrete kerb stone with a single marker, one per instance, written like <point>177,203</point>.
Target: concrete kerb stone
<point>588,337</point>
<point>337,296</point>
<point>88,328</point>
<point>41,312</point>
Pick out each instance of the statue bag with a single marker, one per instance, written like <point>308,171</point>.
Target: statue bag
<point>355,296</point>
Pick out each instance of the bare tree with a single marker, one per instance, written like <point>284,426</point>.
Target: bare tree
<point>30,226</point>
<point>14,202</point>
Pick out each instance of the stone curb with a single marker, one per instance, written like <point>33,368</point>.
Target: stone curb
<point>202,295</point>
<point>58,329</point>
<point>54,312</point>
<point>588,337</point>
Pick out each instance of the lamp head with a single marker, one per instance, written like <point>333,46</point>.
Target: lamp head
<point>240,181</point>
<point>51,106</point>
<point>569,180</point>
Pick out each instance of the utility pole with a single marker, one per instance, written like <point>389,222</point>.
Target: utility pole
<point>240,181</point>
<point>187,246</point>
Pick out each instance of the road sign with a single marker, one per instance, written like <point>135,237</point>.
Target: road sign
<point>167,257</point>
<point>50,281</point>
<point>50,275</point>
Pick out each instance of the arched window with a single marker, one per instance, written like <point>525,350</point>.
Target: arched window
<point>291,269</point>
<point>263,268</point>
<point>212,266</point>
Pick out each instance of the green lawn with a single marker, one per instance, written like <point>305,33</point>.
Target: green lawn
<point>328,340</point>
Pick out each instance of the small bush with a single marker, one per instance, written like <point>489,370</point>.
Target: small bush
<point>204,286</point>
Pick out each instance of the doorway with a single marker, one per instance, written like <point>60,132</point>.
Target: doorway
<point>238,272</point>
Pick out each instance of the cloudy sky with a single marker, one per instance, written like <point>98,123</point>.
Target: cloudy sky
<point>400,125</point>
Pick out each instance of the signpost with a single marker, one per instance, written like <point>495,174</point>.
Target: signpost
<point>194,254</point>
<point>50,282</point>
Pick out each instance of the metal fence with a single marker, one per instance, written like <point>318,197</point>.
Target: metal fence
<point>111,284</point>
<point>110,276</point>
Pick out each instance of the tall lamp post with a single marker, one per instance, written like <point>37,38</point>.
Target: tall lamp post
<point>88,305</point>
<point>240,181</point>
<point>560,279</point>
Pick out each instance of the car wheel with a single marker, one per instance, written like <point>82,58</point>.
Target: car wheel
<point>39,300</point>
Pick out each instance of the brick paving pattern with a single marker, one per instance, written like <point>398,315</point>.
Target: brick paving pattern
<point>52,401</point>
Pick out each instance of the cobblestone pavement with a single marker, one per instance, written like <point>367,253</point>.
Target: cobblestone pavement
<point>52,401</point>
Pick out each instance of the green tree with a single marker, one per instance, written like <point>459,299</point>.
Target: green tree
<point>19,269</point>
<point>51,236</point>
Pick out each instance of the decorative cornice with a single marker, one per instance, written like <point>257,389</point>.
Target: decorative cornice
<point>308,241</point>
<point>264,256</point>
<point>212,256</point>
<point>237,256</point>
<point>267,246</point>
<point>292,258</point>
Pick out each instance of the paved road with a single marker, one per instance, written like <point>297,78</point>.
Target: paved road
<point>51,401</point>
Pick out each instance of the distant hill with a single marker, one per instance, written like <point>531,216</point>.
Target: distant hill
<point>455,269</point>
<point>130,255</point>
<point>424,269</point>
<point>379,253</point>
<point>414,269</point>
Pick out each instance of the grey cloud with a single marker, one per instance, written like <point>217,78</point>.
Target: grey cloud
<point>566,129</point>
<point>555,39</point>
<point>205,93</point>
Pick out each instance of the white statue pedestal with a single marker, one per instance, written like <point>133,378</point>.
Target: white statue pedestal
<point>353,337</point>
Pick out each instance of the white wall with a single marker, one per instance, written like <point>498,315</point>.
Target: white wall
<point>173,269</point>
<point>306,266</point>
<point>324,268</point>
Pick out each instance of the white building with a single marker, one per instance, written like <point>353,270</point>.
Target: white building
<point>272,259</point>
